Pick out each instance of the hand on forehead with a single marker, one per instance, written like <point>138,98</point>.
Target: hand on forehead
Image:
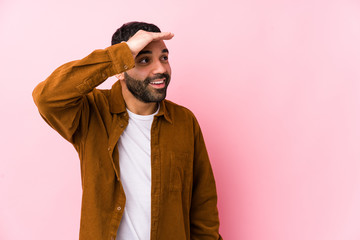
<point>142,39</point>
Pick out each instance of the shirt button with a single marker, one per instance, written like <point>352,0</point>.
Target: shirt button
<point>118,208</point>
<point>125,66</point>
<point>109,148</point>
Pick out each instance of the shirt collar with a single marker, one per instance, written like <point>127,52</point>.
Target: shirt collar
<point>117,103</point>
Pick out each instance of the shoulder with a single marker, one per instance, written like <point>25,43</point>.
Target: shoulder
<point>178,109</point>
<point>180,114</point>
<point>99,98</point>
<point>99,94</point>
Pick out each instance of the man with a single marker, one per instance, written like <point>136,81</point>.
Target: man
<point>144,166</point>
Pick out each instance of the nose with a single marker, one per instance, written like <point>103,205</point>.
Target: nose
<point>159,67</point>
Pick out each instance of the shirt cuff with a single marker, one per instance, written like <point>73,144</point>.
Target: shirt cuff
<point>121,57</point>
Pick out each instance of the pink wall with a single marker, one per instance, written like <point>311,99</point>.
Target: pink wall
<point>275,86</point>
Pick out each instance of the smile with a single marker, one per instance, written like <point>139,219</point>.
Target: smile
<point>159,82</point>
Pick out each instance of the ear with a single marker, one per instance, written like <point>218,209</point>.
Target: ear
<point>120,76</point>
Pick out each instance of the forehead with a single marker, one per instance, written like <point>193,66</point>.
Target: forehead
<point>155,46</point>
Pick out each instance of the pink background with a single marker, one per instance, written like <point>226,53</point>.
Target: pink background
<point>275,86</point>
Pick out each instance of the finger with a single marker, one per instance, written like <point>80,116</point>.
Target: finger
<point>163,36</point>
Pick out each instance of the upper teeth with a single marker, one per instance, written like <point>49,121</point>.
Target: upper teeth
<point>158,82</point>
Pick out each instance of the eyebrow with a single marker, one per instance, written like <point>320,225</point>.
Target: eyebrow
<point>165,50</point>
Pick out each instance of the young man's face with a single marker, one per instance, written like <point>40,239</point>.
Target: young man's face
<point>150,77</point>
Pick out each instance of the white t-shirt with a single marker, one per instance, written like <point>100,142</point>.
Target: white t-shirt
<point>135,173</point>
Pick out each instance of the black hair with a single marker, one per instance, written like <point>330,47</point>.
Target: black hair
<point>128,30</point>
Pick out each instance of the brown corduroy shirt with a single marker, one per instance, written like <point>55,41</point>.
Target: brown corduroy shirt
<point>183,193</point>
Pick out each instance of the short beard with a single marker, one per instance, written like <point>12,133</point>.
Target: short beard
<point>140,90</point>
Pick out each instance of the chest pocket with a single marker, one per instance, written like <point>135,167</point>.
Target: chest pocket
<point>181,169</point>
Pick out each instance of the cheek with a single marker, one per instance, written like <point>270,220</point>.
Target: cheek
<point>137,74</point>
<point>168,69</point>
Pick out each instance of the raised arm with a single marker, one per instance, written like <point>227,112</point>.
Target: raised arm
<point>61,97</point>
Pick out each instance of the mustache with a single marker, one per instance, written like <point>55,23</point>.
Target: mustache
<point>158,76</point>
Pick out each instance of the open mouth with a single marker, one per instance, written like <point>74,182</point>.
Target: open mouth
<point>158,83</point>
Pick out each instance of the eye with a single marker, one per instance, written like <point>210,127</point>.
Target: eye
<point>144,60</point>
<point>164,58</point>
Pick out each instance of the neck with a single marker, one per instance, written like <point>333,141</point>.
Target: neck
<point>136,106</point>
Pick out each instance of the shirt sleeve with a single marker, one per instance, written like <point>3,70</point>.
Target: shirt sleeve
<point>61,97</point>
<point>204,218</point>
